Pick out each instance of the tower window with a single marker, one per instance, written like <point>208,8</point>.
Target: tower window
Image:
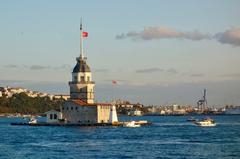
<point>82,78</point>
<point>75,78</point>
<point>88,78</point>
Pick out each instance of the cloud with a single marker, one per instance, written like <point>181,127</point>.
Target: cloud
<point>231,75</point>
<point>197,75</point>
<point>42,67</point>
<point>11,66</point>
<point>52,87</point>
<point>231,36</point>
<point>64,66</point>
<point>149,70</point>
<point>156,69</point>
<point>151,33</point>
<point>172,70</point>
<point>101,70</point>
<point>38,67</point>
<point>121,36</point>
<point>196,35</point>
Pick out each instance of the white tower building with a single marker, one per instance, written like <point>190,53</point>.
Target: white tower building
<point>80,108</point>
<point>82,86</point>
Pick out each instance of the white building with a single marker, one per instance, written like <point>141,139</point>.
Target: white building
<point>59,96</point>
<point>53,116</point>
<point>135,113</point>
<point>162,112</point>
<point>77,111</point>
<point>17,90</point>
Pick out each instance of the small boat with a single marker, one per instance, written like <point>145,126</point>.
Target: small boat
<point>131,124</point>
<point>192,119</point>
<point>11,116</point>
<point>206,122</point>
<point>33,121</point>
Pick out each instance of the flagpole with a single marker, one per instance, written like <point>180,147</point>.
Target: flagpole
<point>112,93</point>
<point>81,39</point>
<point>113,90</point>
<point>114,96</point>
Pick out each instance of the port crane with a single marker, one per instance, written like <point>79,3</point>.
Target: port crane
<point>202,103</point>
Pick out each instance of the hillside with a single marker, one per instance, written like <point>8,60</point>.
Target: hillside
<point>22,103</point>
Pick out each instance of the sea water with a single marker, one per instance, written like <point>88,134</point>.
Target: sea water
<point>168,137</point>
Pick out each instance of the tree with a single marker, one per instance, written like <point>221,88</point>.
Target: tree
<point>22,103</point>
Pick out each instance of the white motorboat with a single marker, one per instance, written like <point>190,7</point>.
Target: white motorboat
<point>33,121</point>
<point>206,122</point>
<point>131,124</point>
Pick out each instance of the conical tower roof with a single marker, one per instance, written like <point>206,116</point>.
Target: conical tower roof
<point>81,66</point>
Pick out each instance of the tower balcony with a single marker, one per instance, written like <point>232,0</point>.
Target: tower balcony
<point>81,82</point>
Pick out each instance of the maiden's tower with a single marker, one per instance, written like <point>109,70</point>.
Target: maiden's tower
<point>80,108</point>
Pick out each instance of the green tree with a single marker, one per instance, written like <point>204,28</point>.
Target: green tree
<point>22,103</point>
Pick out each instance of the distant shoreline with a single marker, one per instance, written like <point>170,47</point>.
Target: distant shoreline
<point>16,115</point>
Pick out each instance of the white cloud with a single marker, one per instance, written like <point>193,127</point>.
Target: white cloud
<point>121,36</point>
<point>37,67</point>
<point>197,75</point>
<point>172,71</point>
<point>11,66</point>
<point>103,70</point>
<point>150,33</point>
<point>231,75</point>
<point>149,70</point>
<point>156,69</point>
<point>231,36</point>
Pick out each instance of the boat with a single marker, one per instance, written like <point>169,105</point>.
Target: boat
<point>192,119</point>
<point>207,122</point>
<point>33,121</point>
<point>11,116</point>
<point>131,124</point>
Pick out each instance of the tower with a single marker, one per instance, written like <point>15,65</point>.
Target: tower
<point>81,86</point>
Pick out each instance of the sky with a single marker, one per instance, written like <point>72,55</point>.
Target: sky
<point>158,51</point>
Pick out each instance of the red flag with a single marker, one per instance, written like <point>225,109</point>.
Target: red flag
<point>85,34</point>
<point>114,82</point>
